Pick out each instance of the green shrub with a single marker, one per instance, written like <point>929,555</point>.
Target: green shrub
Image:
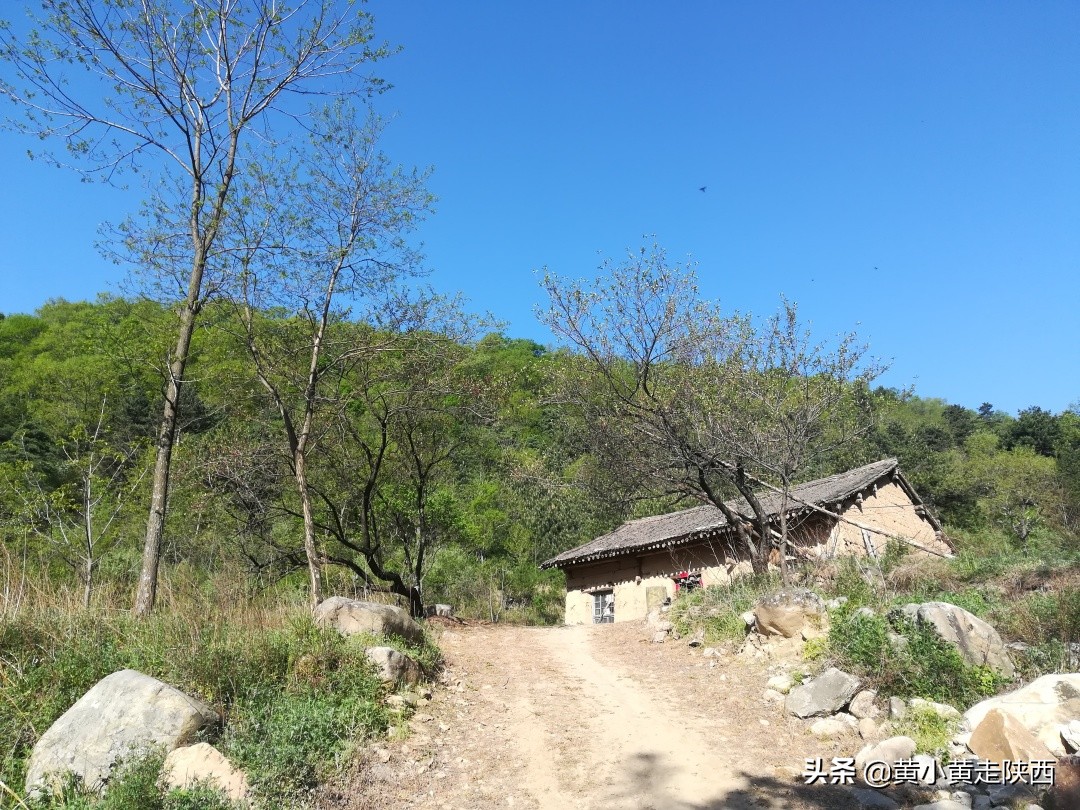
<point>718,609</point>
<point>815,649</point>
<point>199,798</point>
<point>285,740</point>
<point>852,581</point>
<point>135,784</point>
<point>902,658</point>
<point>859,642</point>
<point>930,731</point>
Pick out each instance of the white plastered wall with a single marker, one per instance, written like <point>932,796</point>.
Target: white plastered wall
<point>630,578</point>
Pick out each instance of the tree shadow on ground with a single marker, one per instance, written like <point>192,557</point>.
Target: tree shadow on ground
<point>645,785</point>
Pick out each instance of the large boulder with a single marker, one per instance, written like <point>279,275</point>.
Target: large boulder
<point>977,641</point>
<point>394,667</point>
<point>889,751</point>
<point>828,693</point>
<point>1001,737</point>
<point>203,764</point>
<point>788,612</point>
<point>123,714</point>
<point>1042,707</point>
<point>351,616</point>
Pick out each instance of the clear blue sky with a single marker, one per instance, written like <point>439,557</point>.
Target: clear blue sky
<point>912,170</point>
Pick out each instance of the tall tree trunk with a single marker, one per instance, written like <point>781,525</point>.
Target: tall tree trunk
<point>88,539</point>
<point>155,524</point>
<point>783,536</point>
<point>88,582</point>
<point>311,550</point>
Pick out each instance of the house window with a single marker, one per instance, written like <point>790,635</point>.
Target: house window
<point>603,607</point>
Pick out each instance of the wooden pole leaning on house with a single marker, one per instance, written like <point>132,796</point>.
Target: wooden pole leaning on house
<point>849,521</point>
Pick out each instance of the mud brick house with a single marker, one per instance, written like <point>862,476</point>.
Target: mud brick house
<point>625,573</point>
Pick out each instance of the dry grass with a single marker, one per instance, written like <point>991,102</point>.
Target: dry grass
<point>913,572</point>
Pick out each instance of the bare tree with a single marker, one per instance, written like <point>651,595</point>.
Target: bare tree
<point>77,518</point>
<point>186,90</point>
<point>321,239</point>
<point>795,403</point>
<point>676,398</point>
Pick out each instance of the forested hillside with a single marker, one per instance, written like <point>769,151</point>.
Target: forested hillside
<point>441,468</point>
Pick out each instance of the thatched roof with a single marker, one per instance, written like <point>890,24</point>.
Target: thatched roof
<point>704,522</point>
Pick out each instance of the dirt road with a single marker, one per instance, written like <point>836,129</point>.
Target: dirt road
<point>593,717</point>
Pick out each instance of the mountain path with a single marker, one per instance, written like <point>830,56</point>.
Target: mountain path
<point>593,717</point>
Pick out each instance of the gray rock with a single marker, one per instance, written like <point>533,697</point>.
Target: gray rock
<point>124,713</point>
<point>942,710</point>
<point>201,763</point>
<point>659,637</point>
<point>897,708</point>
<point>351,616</point>
<point>787,612</point>
<point>869,799</point>
<point>897,641</point>
<point>826,694</point>
<point>863,706</point>
<point>829,728</point>
<point>781,683</point>
<point>1001,737</point>
<point>890,751</point>
<point>393,667</point>
<point>977,641</point>
<point>664,626</point>
<point>1010,794</point>
<point>943,804</point>
<point>868,728</point>
<point>838,602</point>
<point>929,766</point>
<point>1070,736</point>
<point>446,611</point>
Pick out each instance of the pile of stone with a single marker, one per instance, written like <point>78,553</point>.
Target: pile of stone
<point>1018,749</point>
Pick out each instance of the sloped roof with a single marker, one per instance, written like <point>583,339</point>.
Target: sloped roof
<point>687,525</point>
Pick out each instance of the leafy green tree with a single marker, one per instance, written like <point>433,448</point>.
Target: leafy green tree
<point>1068,462</point>
<point>78,518</point>
<point>1035,428</point>
<point>187,92</point>
<point>1019,488</point>
<point>382,482</point>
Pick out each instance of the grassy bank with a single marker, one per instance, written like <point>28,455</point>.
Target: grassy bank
<point>1031,595</point>
<point>294,698</point>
